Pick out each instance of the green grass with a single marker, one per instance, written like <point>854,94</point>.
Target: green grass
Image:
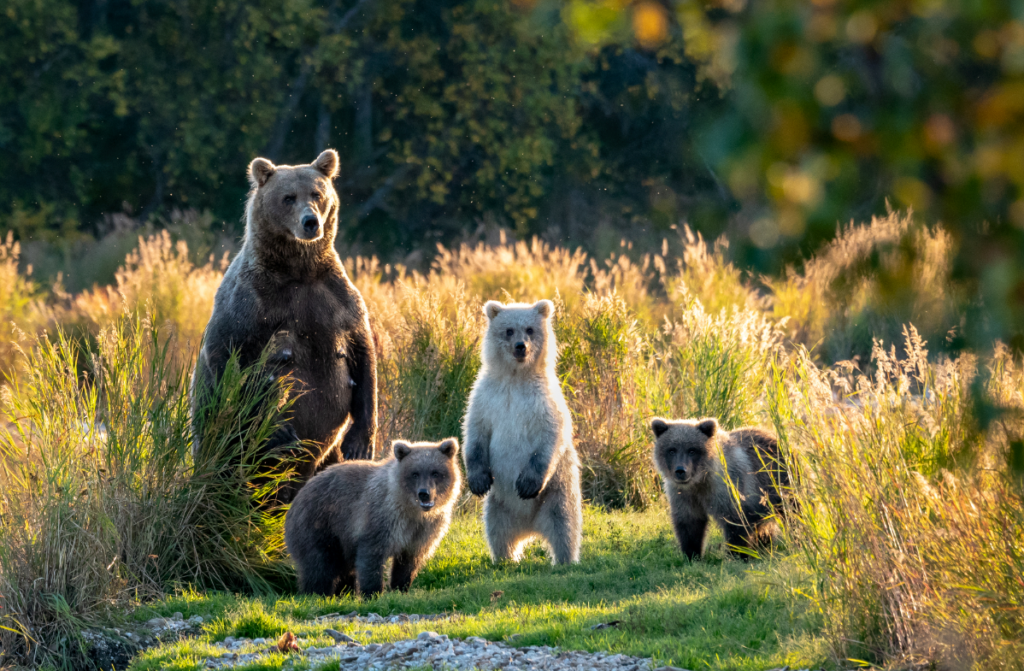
<point>715,613</point>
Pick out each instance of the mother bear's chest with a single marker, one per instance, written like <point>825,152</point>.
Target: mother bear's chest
<point>309,326</point>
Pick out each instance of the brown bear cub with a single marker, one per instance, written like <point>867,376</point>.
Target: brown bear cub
<point>287,288</point>
<point>694,457</point>
<point>350,519</point>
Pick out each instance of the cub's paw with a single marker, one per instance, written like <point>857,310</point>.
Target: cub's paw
<point>528,484</point>
<point>480,482</point>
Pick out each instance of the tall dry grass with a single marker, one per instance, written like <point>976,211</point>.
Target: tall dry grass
<point>866,284</point>
<point>101,499</point>
<point>158,278</point>
<point>613,384</point>
<point>909,512</point>
<point>21,312</point>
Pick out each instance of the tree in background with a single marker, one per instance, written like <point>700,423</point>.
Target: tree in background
<point>447,114</point>
<point>579,119</point>
<point>838,108</point>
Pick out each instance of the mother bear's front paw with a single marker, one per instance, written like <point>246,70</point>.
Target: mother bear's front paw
<point>528,484</point>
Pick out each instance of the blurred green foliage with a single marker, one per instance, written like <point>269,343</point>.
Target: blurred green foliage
<point>586,120</point>
<point>446,114</point>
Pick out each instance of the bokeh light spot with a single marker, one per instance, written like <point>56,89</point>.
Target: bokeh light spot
<point>846,127</point>
<point>650,24</point>
<point>830,90</point>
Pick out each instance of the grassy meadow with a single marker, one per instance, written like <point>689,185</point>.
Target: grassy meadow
<point>716,614</point>
<point>904,546</point>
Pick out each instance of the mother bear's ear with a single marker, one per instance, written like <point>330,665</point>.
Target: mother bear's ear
<point>544,308</point>
<point>492,308</point>
<point>260,170</point>
<point>327,163</point>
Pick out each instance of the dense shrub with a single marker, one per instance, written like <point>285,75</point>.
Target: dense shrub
<point>101,500</point>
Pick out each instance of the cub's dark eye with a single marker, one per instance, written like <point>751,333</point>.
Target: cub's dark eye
<point>510,332</point>
<point>693,453</point>
<point>415,474</point>
<point>316,197</point>
<point>529,331</point>
<point>670,453</point>
<point>289,199</point>
<point>435,475</point>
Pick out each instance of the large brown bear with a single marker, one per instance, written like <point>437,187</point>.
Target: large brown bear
<point>288,285</point>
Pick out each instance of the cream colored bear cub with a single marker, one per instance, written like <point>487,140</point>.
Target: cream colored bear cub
<point>518,437</point>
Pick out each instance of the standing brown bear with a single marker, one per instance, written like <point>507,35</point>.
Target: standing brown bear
<point>288,285</point>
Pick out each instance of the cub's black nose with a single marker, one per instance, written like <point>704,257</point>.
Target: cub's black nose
<point>520,349</point>
<point>680,473</point>
<point>424,496</point>
<point>310,224</point>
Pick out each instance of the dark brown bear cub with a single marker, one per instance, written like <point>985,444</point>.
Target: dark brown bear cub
<point>694,457</point>
<point>287,286</point>
<point>349,520</point>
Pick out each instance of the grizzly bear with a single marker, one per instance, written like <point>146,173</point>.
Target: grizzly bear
<point>518,437</point>
<point>351,518</point>
<point>287,286</point>
<point>689,454</point>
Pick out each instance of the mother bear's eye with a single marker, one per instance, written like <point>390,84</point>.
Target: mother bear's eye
<point>510,332</point>
<point>529,331</point>
<point>289,199</point>
<point>317,197</point>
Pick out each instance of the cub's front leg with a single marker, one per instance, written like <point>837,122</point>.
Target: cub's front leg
<point>535,475</point>
<point>531,479</point>
<point>690,528</point>
<point>370,569</point>
<point>477,456</point>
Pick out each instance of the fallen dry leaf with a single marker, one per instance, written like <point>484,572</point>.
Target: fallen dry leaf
<point>287,643</point>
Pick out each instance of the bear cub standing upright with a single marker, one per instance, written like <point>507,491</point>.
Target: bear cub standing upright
<point>518,437</point>
<point>350,519</point>
<point>689,456</point>
<point>287,286</point>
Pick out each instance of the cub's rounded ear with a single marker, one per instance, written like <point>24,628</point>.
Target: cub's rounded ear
<point>449,447</point>
<point>401,448</point>
<point>492,308</point>
<point>708,427</point>
<point>260,170</point>
<point>544,308</point>
<point>327,163</point>
<point>658,426</point>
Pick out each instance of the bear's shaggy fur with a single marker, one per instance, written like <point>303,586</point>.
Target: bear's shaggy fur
<point>287,286</point>
<point>350,519</point>
<point>518,437</point>
<point>689,454</point>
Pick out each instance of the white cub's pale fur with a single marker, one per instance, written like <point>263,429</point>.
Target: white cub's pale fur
<point>518,437</point>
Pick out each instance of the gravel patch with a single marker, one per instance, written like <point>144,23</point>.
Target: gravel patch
<point>113,648</point>
<point>434,650</point>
